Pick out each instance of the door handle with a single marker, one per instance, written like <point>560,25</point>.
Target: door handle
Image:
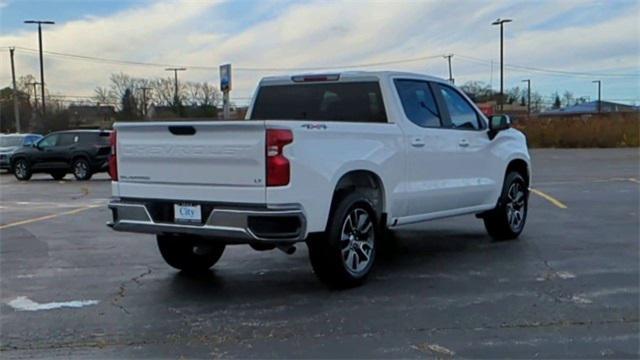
<point>417,142</point>
<point>463,143</point>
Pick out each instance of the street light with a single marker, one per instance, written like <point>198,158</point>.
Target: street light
<point>501,22</point>
<point>40,22</point>
<point>599,94</point>
<point>528,81</point>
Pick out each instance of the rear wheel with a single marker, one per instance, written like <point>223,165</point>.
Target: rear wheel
<point>189,253</point>
<point>22,169</point>
<point>58,175</point>
<point>82,169</point>
<point>506,222</point>
<point>344,255</point>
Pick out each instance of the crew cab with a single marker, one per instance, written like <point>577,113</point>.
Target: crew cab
<point>333,160</point>
<point>80,152</point>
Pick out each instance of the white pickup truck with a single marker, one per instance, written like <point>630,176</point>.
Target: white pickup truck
<point>335,160</point>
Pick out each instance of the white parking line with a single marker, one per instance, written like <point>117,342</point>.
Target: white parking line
<point>23,303</point>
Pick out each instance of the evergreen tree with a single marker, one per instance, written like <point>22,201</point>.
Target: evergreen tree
<point>129,107</point>
<point>557,103</point>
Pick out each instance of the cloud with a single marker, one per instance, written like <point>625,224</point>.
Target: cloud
<point>320,33</point>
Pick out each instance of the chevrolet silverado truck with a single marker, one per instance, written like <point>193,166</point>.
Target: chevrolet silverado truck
<point>333,160</point>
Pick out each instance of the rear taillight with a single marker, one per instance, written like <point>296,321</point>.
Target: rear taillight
<point>278,169</point>
<point>113,157</point>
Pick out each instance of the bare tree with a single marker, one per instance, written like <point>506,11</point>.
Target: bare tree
<point>201,94</point>
<point>568,98</point>
<point>211,96</point>
<point>104,96</point>
<point>163,91</point>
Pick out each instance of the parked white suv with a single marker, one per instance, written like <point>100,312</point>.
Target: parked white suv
<point>334,160</point>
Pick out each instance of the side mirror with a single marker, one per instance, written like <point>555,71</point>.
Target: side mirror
<point>498,123</point>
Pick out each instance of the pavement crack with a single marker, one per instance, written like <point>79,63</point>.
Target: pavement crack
<point>122,290</point>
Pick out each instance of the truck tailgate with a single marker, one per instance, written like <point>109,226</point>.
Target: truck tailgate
<point>202,161</point>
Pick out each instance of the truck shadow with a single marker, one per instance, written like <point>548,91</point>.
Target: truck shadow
<point>412,252</point>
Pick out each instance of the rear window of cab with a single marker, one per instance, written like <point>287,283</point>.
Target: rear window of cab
<point>335,101</point>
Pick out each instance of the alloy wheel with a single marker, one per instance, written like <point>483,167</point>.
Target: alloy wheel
<point>80,169</point>
<point>357,241</point>
<point>21,169</point>
<point>516,207</point>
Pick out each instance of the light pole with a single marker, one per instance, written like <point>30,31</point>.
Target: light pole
<point>501,22</point>
<point>175,73</point>
<point>448,57</point>
<point>40,22</point>
<point>599,94</point>
<point>528,81</point>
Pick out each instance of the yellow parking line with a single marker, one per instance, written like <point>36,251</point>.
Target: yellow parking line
<point>549,198</point>
<point>47,217</point>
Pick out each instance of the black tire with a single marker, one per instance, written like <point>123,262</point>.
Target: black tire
<point>58,175</point>
<point>344,255</point>
<point>188,254</point>
<point>81,169</point>
<point>22,169</point>
<point>507,220</point>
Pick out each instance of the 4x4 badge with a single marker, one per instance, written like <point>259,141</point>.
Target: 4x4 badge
<point>315,126</point>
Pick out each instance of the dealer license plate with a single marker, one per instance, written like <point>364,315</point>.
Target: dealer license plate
<point>187,213</point>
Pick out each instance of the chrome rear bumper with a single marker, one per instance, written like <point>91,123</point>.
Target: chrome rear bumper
<point>230,225</point>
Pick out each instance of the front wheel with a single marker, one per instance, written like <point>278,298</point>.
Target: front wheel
<point>188,254</point>
<point>82,169</point>
<point>22,170</point>
<point>344,255</point>
<point>506,221</point>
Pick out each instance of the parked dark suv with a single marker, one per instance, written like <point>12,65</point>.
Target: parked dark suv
<point>81,152</point>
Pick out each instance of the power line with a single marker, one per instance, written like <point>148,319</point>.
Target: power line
<point>543,70</point>
<point>201,67</point>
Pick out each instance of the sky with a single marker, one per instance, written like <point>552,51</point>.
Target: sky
<point>559,45</point>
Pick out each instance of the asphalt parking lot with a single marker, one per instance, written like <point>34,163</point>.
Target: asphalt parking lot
<point>71,287</point>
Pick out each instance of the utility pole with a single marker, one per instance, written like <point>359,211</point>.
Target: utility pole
<point>528,81</point>
<point>40,22</point>
<point>501,22</point>
<point>16,106</point>
<point>144,101</point>
<point>176,99</point>
<point>448,57</point>
<point>599,94</point>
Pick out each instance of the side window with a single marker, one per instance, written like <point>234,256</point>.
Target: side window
<point>418,102</point>
<point>67,139</point>
<point>90,138</point>
<point>30,140</point>
<point>462,114</point>
<point>49,141</point>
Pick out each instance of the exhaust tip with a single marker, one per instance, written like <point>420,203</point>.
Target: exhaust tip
<point>287,249</point>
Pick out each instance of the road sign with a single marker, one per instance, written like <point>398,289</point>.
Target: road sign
<point>225,77</point>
